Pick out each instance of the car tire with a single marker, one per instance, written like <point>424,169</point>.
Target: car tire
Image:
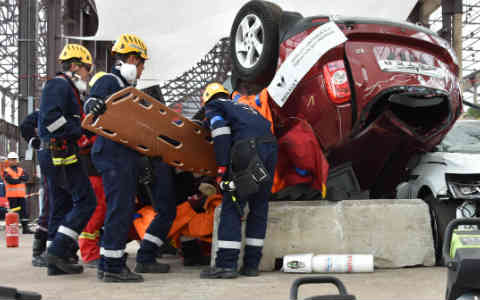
<point>441,212</point>
<point>254,41</point>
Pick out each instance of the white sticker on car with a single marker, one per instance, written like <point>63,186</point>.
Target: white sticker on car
<point>301,60</point>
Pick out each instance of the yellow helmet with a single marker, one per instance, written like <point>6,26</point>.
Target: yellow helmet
<point>95,78</point>
<point>127,43</point>
<point>76,51</point>
<point>211,90</point>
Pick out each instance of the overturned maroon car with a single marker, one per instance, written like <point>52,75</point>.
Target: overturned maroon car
<point>391,89</point>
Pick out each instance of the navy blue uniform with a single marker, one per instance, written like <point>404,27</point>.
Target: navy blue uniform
<point>232,122</point>
<point>70,194</point>
<point>28,129</point>
<point>119,167</point>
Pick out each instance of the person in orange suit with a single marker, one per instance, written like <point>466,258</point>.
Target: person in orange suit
<point>192,226</point>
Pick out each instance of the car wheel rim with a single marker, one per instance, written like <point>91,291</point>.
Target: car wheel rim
<point>249,41</point>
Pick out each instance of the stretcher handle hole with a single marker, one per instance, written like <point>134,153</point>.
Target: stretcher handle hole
<point>162,111</point>
<point>124,141</point>
<point>169,141</point>
<point>209,139</point>
<point>143,148</point>
<point>115,100</point>
<point>178,123</point>
<point>197,131</point>
<point>178,163</point>
<point>145,103</point>
<point>109,132</point>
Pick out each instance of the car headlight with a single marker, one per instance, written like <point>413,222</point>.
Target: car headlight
<point>460,190</point>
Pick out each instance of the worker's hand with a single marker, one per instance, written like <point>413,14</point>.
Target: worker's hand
<point>95,106</point>
<point>221,172</point>
<point>35,142</point>
<point>197,202</point>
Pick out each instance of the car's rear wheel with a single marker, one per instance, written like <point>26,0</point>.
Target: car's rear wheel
<point>441,212</point>
<point>254,41</point>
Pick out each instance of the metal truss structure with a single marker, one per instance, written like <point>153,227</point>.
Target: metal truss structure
<point>8,56</point>
<point>9,68</point>
<point>470,42</point>
<point>184,92</point>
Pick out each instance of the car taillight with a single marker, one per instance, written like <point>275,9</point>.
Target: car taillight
<point>337,81</point>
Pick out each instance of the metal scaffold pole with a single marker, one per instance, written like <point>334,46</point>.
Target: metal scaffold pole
<point>27,65</point>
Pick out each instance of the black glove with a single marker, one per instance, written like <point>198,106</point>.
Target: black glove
<point>35,142</point>
<point>95,106</point>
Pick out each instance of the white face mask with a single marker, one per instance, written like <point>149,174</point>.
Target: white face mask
<point>79,83</point>
<point>129,72</point>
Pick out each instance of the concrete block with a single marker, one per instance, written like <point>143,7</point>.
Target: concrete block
<point>396,231</point>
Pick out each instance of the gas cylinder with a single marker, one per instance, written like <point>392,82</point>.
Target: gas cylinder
<point>11,229</point>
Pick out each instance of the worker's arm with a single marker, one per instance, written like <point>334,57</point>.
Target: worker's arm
<point>24,177</point>
<point>28,127</point>
<point>11,180</point>
<point>220,130</point>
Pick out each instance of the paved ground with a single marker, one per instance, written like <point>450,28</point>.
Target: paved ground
<point>184,283</point>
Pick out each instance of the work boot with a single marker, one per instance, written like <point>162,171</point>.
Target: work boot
<point>73,257</point>
<point>192,254</point>
<point>166,248</point>
<point>216,273</point>
<point>40,260</point>
<point>153,267</point>
<point>52,270</point>
<point>39,243</point>
<point>249,271</point>
<point>100,274</point>
<point>26,228</point>
<point>124,276</point>
<point>196,261</point>
<point>62,264</point>
<point>93,264</point>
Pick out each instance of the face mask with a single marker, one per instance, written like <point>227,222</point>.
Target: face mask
<point>80,84</point>
<point>129,72</point>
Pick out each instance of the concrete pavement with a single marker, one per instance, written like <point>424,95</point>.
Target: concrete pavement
<point>184,283</point>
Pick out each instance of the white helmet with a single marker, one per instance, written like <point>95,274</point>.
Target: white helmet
<point>12,155</point>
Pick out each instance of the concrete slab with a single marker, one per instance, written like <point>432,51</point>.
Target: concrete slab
<point>397,232</point>
<point>184,283</point>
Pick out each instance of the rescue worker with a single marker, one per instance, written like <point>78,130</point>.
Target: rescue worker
<point>119,167</point>
<point>89,239</point>
<point>16,190</point>
<point>28,129</point>
<point>71,197</point>
<point>193,225</point>
<point>246,153</point>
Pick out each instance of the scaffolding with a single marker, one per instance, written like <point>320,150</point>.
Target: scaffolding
<point>470,44</point>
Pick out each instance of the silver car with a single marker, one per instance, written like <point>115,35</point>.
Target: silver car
<point>447,179</point>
